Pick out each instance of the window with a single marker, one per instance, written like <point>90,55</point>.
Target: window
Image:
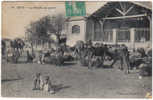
<point>97,33</point>
<point>108,36</point>
<point>75,29</point>
<point>123,35</point>
<point>142,35</point>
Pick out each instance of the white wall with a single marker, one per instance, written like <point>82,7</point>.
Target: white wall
<point>72,38</point>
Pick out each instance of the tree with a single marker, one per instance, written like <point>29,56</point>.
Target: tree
<point>46,26</point>
<point>39,29</point>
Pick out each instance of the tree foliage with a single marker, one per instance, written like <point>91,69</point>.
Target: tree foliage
<point>47,25</point>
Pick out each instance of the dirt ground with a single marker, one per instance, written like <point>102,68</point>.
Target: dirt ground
<point>73,81</point>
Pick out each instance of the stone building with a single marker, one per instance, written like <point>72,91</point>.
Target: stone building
<point>127,23</point>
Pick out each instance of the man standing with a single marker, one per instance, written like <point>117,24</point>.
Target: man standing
<point>125,55</point>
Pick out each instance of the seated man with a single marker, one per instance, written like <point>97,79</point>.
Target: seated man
<point>145,70</point>
<point>41,58</point>
<point>95,61</point>
<point>30,57</point>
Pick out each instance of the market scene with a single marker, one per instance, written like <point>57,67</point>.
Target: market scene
<point>87,50</point>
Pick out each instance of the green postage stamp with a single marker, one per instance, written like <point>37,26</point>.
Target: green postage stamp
<point>75,8</point>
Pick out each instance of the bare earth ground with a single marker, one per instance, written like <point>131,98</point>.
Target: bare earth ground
<point>73,80</point>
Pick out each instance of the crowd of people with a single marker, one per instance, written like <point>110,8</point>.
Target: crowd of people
<point>95,55</point>
<point>92,56</point>
<point>87,54</point>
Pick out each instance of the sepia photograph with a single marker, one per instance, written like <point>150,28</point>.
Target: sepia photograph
<point>76,49</point>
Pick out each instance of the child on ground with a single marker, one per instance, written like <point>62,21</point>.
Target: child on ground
<point>47,85</point>
<point>37,81</point>
<point>42,83</point>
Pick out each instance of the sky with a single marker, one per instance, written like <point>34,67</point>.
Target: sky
<point>16,16</point>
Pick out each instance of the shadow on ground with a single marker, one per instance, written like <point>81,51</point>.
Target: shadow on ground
<point>69,64</point>
<point>59,87</point>
<point>107,66</point>
<point>8,80</point>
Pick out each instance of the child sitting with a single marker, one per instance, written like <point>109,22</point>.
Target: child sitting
<point>37,81</point>
<point>47,86</point>
<point>42,83</point>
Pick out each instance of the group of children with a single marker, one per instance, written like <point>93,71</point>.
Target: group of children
<point>43,83</point>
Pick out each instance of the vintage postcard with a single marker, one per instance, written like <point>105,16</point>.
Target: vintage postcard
<point>76,49</point>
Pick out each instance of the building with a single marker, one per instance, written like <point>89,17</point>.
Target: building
<point>76,29</point>
<point>127,23</point>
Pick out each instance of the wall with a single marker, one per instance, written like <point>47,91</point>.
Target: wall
<point>90,30</point>
<point>72,38</point>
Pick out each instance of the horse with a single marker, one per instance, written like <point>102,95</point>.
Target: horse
<point>96,55</point>
<point>120,54</point>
